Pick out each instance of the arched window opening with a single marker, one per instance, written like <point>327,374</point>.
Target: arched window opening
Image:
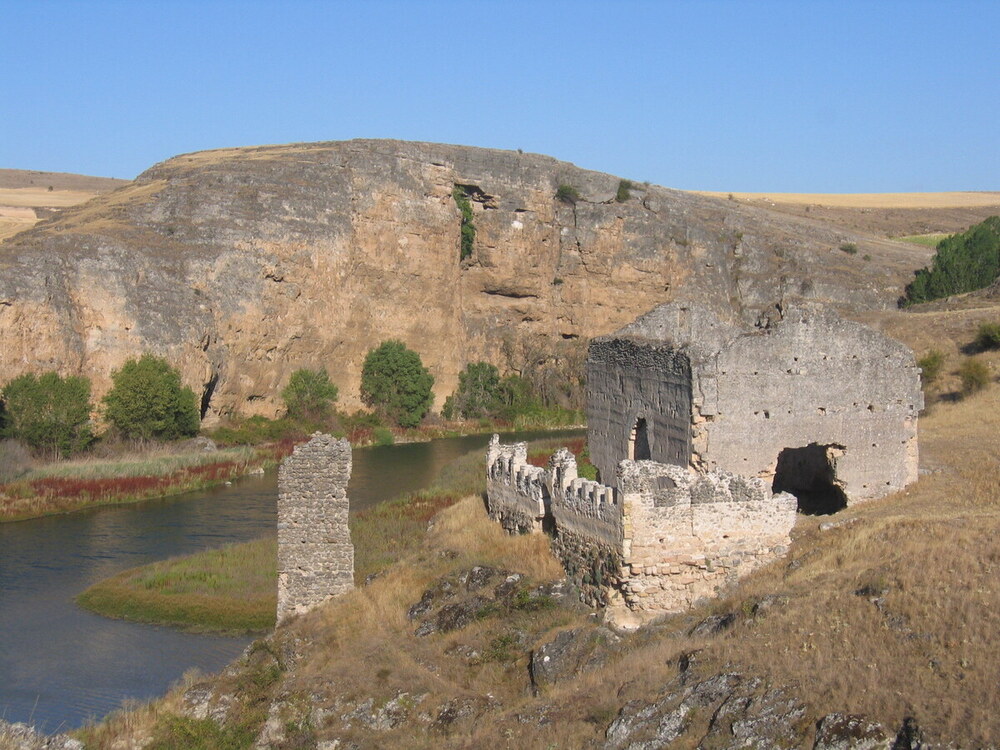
<point>638,442</point>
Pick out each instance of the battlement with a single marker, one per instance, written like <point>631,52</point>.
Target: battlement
<point>662,538</point>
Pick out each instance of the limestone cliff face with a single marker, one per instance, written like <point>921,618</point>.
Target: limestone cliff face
<point>243,265</point>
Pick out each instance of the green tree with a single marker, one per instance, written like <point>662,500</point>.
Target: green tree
<point>309,395</point>
<point>962,263</point>
<point>147,401</point>
<point>396,384</point>
<point>48,412</point>
<point>478,393</point>
<point>468,228</point>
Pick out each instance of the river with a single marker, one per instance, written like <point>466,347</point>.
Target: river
<point>61,665</point>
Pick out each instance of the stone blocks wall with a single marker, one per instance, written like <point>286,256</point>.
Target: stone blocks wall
<point>814,378</point>
<point>689,534</point>
<point>627,382</point>
<point>315,553</point>
<point>663,538</point>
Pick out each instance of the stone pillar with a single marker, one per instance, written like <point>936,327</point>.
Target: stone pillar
<point>315,554</point>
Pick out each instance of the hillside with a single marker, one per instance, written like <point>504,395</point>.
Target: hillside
<point>242,265</point>
<point>882,214</point>
<point>875,631</point>
<point>27,196</point>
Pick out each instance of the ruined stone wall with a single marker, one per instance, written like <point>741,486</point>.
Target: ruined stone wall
<point>812,378</point>
<point>315,554</point>
<point>688,534</point>
<point>517,493</point>
<point>627,382</point>
<point>665,537</point>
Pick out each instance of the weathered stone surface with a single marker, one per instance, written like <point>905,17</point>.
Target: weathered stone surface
<point>242,265</point>
<point>850,732</point>
<point>315,553</point>
<point>23,737</point>
<point>570,653</point>
<point>716,393</point>
<point>726,710</point>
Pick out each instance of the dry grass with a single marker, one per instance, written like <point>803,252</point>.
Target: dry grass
<point>959,199</point>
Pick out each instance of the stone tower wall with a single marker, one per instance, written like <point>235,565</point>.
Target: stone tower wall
<point>629,381</point>
<point>315,553</point>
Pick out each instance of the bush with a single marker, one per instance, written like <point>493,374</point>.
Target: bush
<point>988,337</point>
<point>478,394</point>
<point>962,263</point>
<point>48,412</point>
<point>468,228</point>
<point>850,248</point>
<point>309,395</point>
<point>624,191</point>
<point>383,436</point>
<point>975,376</point>
<point>396,384</point>
<point>930,365</point>
<point>567,194</point>
<point>147,401</point>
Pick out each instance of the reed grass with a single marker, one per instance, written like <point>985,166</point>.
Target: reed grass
<point>72,485</point>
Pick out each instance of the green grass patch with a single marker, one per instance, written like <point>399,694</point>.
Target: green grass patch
<point>233,588</point>
<point>927,240</point>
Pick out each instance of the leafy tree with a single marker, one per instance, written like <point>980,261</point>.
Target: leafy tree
<point>975,376</point>
<point>478,394</point>
<point>148,402</point>
<point>988,337</point>
<point>309,394</point>
<point>48,412</point>
<point>395,382</point>
<point>962,263</point>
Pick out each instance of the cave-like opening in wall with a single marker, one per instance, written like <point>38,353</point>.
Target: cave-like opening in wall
<point>810,473</point>
<point>638,441</point>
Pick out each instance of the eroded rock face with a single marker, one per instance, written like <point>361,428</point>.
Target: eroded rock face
<point>243,265</point>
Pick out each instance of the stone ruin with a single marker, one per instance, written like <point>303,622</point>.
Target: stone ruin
<point>708,436</point>
<point>315,553</point>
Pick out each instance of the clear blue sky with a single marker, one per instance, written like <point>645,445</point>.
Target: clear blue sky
<point>804,95</point>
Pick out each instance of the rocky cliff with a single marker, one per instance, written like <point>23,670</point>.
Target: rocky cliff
<point>243,265</point>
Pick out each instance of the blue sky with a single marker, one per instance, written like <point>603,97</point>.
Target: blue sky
<point>799,96</point>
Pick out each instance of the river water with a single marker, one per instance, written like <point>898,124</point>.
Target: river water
<point>61,665</point>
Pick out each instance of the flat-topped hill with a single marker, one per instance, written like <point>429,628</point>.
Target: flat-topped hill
<point>242,265</point>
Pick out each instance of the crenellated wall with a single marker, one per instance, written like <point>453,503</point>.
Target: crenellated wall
<point>661,539</point>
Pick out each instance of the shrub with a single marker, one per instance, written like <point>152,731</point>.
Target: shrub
<point>383,436</point>
<point>567,194</point>
<point>478,393</point>
<point>309,395</point>
<point>624,191</point>
<point>930,365</point>
<point>975,376</point>
<point>962,263</point>
<point>147,401</point>
<point>468,228</point>
<point>850,248</point>
<point>988,337</point>
<point>48,412</point>
<point>396,384</point>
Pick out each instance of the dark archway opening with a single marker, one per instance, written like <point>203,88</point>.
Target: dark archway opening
<point>639,441</point>
<point>810,474</point>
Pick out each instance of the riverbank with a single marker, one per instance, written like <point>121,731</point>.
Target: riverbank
<point>233,589</point>
<point>65,486</point>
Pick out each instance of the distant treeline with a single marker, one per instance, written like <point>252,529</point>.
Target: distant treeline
<point>962,263</point>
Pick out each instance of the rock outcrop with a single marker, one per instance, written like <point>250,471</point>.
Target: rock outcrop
<point>243,265</point>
